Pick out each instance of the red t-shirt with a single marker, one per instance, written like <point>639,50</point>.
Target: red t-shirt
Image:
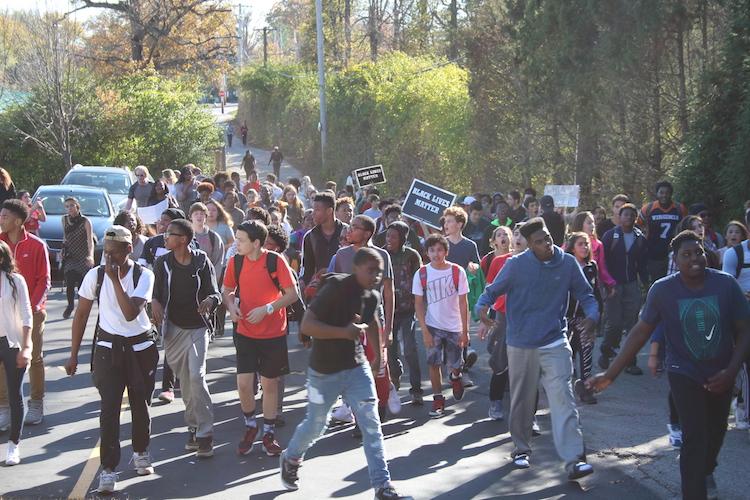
<point>32,223</point>
<point>495,266</point>
<point>251,185</point>
<point>257,289</point>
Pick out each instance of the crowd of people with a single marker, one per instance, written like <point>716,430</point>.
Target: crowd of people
<point>359,277</point>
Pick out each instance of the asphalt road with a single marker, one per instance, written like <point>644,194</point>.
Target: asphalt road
<point>461,456</point>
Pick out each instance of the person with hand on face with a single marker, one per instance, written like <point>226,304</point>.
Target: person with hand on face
<point>255,303</point>
<point>32,262</point>
<point>15,345</point>
<point>125,354</point>
<point>706,320</point>
<point>536,284</point>
<point>186,188</point>
<point>36,212</point>
<point>185,296</point>
<point>341,314</point>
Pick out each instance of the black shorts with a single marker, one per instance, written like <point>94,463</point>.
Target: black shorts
<point>269,357</point>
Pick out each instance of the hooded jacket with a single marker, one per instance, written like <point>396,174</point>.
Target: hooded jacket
<point>204,272</point>
<point>537,297</point>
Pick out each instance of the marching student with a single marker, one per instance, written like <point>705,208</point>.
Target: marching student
<point>125,354</point>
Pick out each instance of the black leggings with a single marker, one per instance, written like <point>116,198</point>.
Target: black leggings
<point>674,418</point>
<point>498,382</point>
<point>73,280</point>
<point>14,382</point>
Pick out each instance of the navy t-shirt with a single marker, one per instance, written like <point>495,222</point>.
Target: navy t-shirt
<point>698,324</point>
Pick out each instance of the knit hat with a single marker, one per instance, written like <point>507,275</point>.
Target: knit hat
<point>532,226</point>
<point>546,202</point>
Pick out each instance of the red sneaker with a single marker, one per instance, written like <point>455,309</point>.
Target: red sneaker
<point>458,388</point>
<point>438,407</point>
<point>270,446</point>
<point>248,441</point>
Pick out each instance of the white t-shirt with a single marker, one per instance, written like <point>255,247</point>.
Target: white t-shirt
<point>443,309</point>
<point>111,318</point>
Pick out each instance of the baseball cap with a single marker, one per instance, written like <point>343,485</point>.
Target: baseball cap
<point>118,233</point>
<point>468,200</point>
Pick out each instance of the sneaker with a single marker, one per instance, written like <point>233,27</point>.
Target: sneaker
<point>584,394</point>
<point>382,413</point>
<point>467,381</point>
<point>13,456</point>
<point>458,387</point>
<point>166,396</point>
<point>394,402</point>
<point>357,432</point>
<point>66,315</point>
<point>192,442</point>
<point>205,447</point>
<point>417,399</point>
<point>633,370</point>
<point>270,446</point>
<point>342,415</point>
<point>535,429</point>
<point>471,358</point>
<point>675,435</point>
<point>712,492</point>
<point>438,407</point>
<point>107,481</point>
<point>248,441</point>
<point>521,461</point>
<point>289,475</point>
<point>142,463</point>
<point>579,470</point>
<point>4,418</point>
<point>496,410</point>
<point>389,493</point>
<point>35,412</point>
<point>604,361</point>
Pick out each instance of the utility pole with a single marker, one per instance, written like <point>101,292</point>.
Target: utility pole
<point>321,79</point>
<point>240,37</point>
<point>265,46</point>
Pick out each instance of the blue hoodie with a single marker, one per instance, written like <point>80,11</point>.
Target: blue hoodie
<point>537,297</point>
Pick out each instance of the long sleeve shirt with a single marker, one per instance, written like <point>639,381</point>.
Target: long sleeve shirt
<point>32,261</point>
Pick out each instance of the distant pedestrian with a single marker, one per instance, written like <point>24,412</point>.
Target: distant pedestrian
<point>276,158</point>
<point>243,133</point>
<point>230,133</point>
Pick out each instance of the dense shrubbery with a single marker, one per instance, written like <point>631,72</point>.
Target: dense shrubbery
<point>410,114</point>
<point>141,118</point>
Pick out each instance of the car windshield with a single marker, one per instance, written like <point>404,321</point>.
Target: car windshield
<point>113,182</point>
<point>92,204</point>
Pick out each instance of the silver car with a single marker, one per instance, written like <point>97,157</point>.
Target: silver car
<point>116,181</point>
<point>95,204</point>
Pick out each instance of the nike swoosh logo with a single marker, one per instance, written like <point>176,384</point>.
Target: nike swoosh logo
<point>711,335</point>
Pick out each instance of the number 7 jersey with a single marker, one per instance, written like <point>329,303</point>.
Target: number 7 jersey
<point>660,225</point>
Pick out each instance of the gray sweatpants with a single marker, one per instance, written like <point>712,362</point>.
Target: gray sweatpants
<point>185,351</point>
<point>554,366</point>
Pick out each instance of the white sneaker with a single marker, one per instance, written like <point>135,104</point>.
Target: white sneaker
<point>35,412</point>
<point>142,463</point>
<point>675,435</point>
<point>107,481</point>
<point>342,415</point>
<point>4,418</point>
<point>535,429</point>
<point>394,402</point>
<point>14,454</point>
<point>496,410</point>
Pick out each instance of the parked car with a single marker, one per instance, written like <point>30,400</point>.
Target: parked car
<point>95,204</point>
<point>116,181</point>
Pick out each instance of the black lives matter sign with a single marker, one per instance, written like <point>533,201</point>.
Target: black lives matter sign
<point>426,203</point>
<point>369,176</point>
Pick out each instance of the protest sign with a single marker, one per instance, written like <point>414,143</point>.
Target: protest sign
<point>149,215</point>
<point>369,176</point>
<point>564,195</point>
<point>426,203</point>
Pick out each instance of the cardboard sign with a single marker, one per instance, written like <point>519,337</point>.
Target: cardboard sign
<point>150,215</point>
<point>369,176</point>
<point>426,203</point>
<point>564,195</point>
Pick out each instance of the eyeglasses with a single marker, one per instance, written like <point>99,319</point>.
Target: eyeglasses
<point>168,234</point>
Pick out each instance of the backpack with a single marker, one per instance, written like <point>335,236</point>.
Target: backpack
<point>740,259</point>
<point>423,279</point>
<point>295,311</point>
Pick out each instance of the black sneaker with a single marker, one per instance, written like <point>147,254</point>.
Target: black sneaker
<point>633,370</point>
<point>205,447</point>
<point>357,432</point>
<point>67,312</point>
<point>389,493</point>
<point>471,358</point>
<point>604,361</point>
<point>192,442</point>
<point>289,470</point>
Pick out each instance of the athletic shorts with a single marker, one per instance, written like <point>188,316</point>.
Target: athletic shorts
<point>269,357</point>
<point>445,349</point>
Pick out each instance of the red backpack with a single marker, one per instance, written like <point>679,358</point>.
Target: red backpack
<point>423,278</point>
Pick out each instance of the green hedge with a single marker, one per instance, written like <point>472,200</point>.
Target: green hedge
<point>410,114</point>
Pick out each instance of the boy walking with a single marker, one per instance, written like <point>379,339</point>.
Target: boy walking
<point>440,299</point>
<point>343,311</point>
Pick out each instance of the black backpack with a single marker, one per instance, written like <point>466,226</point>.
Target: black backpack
<point>295,311</point>
<point>740,259</point>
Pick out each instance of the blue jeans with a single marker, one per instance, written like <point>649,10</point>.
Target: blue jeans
<point>405,343</point>
<point>357,387</point>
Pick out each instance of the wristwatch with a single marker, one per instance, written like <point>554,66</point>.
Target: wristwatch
<point>269,308</point>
